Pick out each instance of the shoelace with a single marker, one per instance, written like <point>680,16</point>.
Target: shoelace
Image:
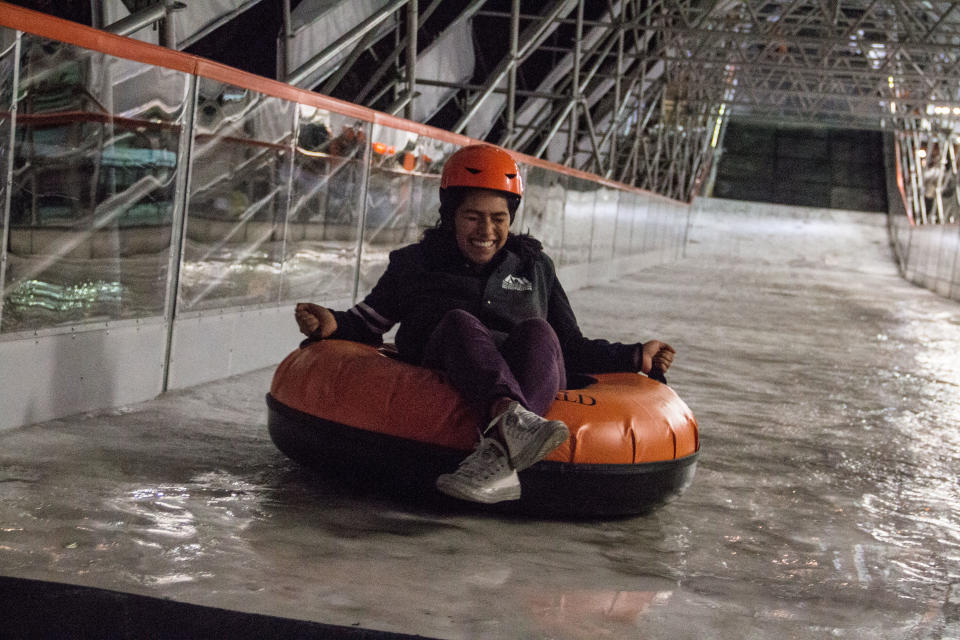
<point>493,422</point>
<point>513,420</point>
<point>483,462</point>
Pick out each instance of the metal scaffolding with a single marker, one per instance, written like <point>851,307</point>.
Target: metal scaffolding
<point>638,90</point>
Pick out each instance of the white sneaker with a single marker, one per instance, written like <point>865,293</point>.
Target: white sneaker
<point>483,476</point>
<point>529,437</point>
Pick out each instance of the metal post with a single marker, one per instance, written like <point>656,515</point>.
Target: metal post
<point>942,141</point>
<point>287,36</point>
<point>575,98</point>
<point>412,26</point>
<point>288,212</point>
<point>612,160</point>
<point>512,78</point>
<point>655,165</point>
<point>178,225</point>
<point>168,28</point>
<point>917,176</point>
<point>96,14</point>
<point>366,163</point>
<point>399,94</point>
<point>594,144</point>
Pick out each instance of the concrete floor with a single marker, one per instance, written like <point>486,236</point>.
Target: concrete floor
<point>825,503</point>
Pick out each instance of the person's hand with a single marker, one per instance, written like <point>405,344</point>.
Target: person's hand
<point>311,317</point>
<point>656,357</point>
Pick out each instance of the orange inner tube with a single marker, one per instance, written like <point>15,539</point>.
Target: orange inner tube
<point>625,418</point>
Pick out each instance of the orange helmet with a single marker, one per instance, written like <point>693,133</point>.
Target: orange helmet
<point>482,166</point>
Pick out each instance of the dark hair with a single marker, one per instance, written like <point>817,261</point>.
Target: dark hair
<point>452,197</point>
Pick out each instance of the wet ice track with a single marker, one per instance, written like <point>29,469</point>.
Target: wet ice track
<point>825,502</point>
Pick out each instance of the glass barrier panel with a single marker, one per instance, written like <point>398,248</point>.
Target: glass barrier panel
<point>680,216</point>
<point>934,242</point>
<point>683,217</point>
<point>638,229</point>
<point>626,205</point>
<point>670,212</point>
<point>240,171</point>
<point>402,200</point>
<point>431,156</point>
<point>639,222</point>
<point>910,255</point>
<point>578,221</point>
<point>7,68</point>
<point>941,262</point>
<point>543,198</point>
<point>646,232</point>
<point>899,225</point>
<point>955,276</point>
<point>666,224</point>
<point>653,235</point>
<point>901,232</point>
<point>8,39</point>
<point>326,206</point>
<point>98,143</point>
<point>929,255</point>
<point>604,224</point>
<point>920,252</point>
<point>679,229</point>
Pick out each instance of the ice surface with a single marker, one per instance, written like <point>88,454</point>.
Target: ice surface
<point>825,503</point>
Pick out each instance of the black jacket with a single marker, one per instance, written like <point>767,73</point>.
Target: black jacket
<point>425,280</point>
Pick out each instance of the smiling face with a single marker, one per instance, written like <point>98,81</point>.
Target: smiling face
<point>481,224</point>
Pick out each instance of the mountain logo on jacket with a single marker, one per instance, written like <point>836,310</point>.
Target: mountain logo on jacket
<point>516,283</point>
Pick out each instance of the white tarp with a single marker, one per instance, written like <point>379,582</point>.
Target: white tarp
<point>482,121</point>
<point>317,24</point>
<point>449,59</point>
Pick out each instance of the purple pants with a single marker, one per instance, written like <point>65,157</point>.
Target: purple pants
<point>528,367</point>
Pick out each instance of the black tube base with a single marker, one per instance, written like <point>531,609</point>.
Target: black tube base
<point>407,468</point>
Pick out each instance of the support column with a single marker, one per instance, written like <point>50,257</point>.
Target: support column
<point>512,78</point>
<point>575,98</point>
<point>412,26</point>
<point>617,89</point>
<point>168,29</point>
<point>287,35</point>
